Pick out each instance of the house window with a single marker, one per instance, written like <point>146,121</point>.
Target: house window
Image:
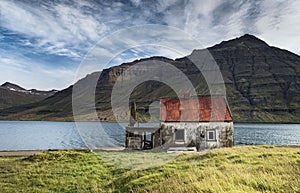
<point>179,135</point>
<point>211,135</point>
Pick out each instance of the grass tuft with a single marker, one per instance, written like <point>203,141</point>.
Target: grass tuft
<point>238,169</point>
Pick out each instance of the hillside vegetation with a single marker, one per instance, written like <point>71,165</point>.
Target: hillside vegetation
<point>238,169</point>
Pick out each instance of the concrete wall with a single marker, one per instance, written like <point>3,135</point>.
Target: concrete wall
<point>195,134</point>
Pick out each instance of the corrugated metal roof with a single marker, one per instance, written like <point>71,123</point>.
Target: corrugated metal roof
<point>202,109</point>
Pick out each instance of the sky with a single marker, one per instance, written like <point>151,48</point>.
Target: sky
<point>42,43</point>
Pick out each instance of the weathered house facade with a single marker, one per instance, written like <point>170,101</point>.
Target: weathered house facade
<point>201,122</point>
<point>204,123</point>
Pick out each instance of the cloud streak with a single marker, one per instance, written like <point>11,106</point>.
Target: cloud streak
<point>57,34</point>
<point>44,78</point>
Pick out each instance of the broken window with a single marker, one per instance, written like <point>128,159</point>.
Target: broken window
<point>179,135</point>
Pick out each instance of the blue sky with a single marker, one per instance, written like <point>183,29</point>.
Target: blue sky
<point>42,43</point>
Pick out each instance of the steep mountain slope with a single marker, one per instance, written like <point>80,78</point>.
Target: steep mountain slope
<point>13,95</point>
<point>262,82</point>
<point>262,85</point>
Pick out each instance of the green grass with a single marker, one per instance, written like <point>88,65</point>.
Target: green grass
<point>238,169</point>
<point>136,160</point>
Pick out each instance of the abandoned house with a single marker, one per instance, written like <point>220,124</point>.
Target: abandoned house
<point>201,122</point>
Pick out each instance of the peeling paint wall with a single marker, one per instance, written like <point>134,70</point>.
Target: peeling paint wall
<point>196,134</point>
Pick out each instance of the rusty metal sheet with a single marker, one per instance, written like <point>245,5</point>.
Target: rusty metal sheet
<point>195,109</point>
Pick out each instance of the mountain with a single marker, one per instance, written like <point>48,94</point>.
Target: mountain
<point>262,84</point>
<point>12,86</point>
<point>12,95</point>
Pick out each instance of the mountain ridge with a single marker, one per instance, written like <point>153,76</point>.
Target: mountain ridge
<point>245,40</point>
<point>18,87</point>
<point>12,85</point>
<point>12,95</point>
<point>262,84</point>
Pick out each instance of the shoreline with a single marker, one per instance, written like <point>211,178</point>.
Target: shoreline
<point>18,153</point>
<point>139,122</point>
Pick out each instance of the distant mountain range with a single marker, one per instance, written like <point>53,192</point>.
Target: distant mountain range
<point>262,85</point>
<point>12,95</point>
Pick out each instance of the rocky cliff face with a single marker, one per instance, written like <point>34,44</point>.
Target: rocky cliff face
<point>262,84</point>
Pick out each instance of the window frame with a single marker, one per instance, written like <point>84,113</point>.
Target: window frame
<point>214,135</point>
<point>180,140</point>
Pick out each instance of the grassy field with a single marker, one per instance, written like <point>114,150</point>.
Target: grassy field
<point>238,169</point>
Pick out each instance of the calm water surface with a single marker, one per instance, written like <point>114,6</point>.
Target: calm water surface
<point>35,135</point>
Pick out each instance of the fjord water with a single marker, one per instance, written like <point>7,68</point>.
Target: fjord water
<point>42,135</point>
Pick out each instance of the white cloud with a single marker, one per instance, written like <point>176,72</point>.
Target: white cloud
<point>279,24</point>
<point>60,28</point>
<point>62,52</point>
<point>276,22</point>
<point>136,2</point>
<point>29,74</point>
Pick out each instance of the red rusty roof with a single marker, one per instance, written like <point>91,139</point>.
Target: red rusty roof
<point>202,109</point>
